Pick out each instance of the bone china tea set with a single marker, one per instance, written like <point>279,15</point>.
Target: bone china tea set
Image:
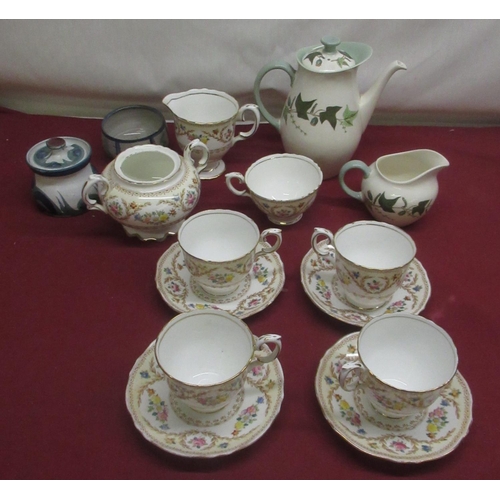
<point>207,386</point>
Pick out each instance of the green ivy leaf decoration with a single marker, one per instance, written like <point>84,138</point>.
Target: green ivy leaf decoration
<point>386,204</point>
<point>349,116</point>
<point>420,208</point>
<point>370,195</point>
<point>312,55</point>
<point>330,115</point>
<point>303,107</point>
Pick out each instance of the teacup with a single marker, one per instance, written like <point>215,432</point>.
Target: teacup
<point>371,260</point>
<point>403,363</point>
<point>211,116</point>
<point>206,355</point>
<point>283,186</point>
<point>220,248</point>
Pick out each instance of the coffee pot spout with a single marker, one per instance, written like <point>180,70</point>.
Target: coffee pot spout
<point>370,97</point>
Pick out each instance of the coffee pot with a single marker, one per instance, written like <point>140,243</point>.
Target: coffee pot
<point>324,114</point>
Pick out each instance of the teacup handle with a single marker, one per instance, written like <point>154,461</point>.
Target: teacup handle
<point>241,179</point>
<point>253,109</point>
<point>263,239</point>
<point>351,375</point>
<point>102,186</point>
<point>349,166</point>
<point>205,154</point>
<point>262,356</point>
<point>326,249</point>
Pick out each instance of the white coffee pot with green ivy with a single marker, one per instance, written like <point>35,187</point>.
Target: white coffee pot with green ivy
<point>324,115</point>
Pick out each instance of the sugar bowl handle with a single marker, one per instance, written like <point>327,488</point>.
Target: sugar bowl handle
<point>197,145</point>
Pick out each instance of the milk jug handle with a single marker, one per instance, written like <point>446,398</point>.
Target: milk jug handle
<point>349,166</point>
<point>284,66</point>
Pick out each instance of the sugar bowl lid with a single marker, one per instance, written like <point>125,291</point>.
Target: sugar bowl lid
<point>59,156</point>
<point>334,56</point>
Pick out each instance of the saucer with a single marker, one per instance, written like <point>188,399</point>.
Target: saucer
<point>182,294</point>
<point>213,172</point>
<point>158,417</point>
<point>320,282</point>
<point>410,440</point>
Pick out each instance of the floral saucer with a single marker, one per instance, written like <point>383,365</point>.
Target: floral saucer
<point>433,435</point>
<point>182,294</point>
<point>181,431</point>
<point>320,282</point>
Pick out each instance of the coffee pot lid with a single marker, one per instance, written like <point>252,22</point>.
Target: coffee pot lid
<point>59,156</point>
<point>334,56</point>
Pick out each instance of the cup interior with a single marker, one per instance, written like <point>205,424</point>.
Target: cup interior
<point>218,236</point>
<point>148,164</point>
<point>204,107</point>
<point>132,124</point>
<point>408,352</point>
<point>375,245</point>
<point>283,178</point>
<point>205,348</point>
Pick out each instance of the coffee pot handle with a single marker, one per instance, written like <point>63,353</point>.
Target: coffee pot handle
<point>282,65</point>
<point>349,166</point>
<point>254,110</point>
<point>95,183</point>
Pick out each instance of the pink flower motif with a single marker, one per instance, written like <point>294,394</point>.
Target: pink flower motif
<point>250,410</point>
<point>198,442</point>
<point>162,415</point>
<point>399,446</point>
<point>257,370</point>
<point>437,413</point>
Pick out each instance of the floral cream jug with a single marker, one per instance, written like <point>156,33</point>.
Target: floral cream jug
<point>324,114</point>
<point>149,189</point>
<point>399,188</point>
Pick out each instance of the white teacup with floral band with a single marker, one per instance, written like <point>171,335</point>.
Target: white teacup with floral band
<point>211,116</point>
<point>402,362</point>
<point>283,186</point>
<point>220,248</point>
<point>371,260</point>
<point>206,355</point>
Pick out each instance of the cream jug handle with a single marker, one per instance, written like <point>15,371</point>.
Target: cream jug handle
<point>241,179</point>
<point>326,249</point>
<point>190,148</point>
<point>263,239</point>
<point>284,66</point>
<point>351,165</point>
<point>253,109</point>
<point>99,183</point>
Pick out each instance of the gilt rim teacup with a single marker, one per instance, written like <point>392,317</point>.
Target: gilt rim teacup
<point>206,355</point>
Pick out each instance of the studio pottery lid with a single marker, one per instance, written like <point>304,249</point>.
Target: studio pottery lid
<point>59,156</point>
<point>333,56</point>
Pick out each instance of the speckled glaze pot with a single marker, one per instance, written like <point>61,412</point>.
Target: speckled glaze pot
<point>149,189</point>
